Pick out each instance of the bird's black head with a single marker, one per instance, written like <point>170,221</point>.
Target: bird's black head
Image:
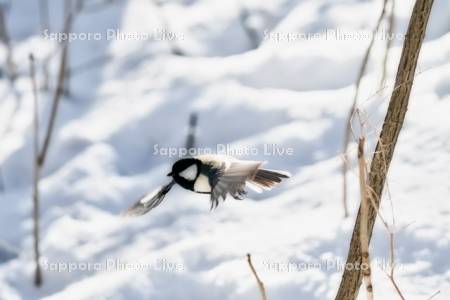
<point>185,171</point>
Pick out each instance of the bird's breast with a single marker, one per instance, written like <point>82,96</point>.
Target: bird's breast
<point>202,185</point>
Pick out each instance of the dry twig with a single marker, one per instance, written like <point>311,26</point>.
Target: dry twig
<point>434,295</point>
<point>389,40</point>
<point>40,155</point>
<point>347,134</point>
<point>262,290</point>
<point>70,14</point>
<point>36,174</point>
<point>367,193</point>
<point>363,233</point>
<point>56,99</point>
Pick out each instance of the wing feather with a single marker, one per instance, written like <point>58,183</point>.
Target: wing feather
<point>148,202</point>
<point>231,180</point>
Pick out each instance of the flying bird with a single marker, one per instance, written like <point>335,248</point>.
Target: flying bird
<point>216,175</point>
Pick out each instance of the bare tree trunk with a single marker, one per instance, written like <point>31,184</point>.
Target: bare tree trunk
<point>351,279</point>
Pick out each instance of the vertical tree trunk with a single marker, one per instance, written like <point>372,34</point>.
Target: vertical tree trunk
<point>351,279</point>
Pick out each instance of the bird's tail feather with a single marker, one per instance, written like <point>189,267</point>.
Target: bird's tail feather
<point>267,179</point>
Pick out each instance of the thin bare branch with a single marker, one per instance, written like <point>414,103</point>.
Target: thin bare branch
<point>389,40</point>
<point>5,39</point>
<point>57,95</point>
<point>36,174</point>
<point>68,14</point>
<point>348,123</point>
<point>391,235</point>
<point>262,290</point>
<point>434,295</point>
<point>392,266</point>
<point>40,156</point>
<point>396,287</point>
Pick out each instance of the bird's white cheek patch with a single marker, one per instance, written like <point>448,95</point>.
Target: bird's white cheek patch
<point>189,173</point>
<point>202,184</point>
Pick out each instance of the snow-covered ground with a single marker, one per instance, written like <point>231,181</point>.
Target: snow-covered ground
<point>291,94</point>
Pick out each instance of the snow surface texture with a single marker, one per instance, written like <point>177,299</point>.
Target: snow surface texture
<point>292,94</point>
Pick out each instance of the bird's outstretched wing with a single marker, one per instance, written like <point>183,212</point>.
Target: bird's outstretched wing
<point>148,202</point>
<point>232,181</point>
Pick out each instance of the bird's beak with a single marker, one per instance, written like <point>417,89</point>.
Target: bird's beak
<point>169,174</point>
